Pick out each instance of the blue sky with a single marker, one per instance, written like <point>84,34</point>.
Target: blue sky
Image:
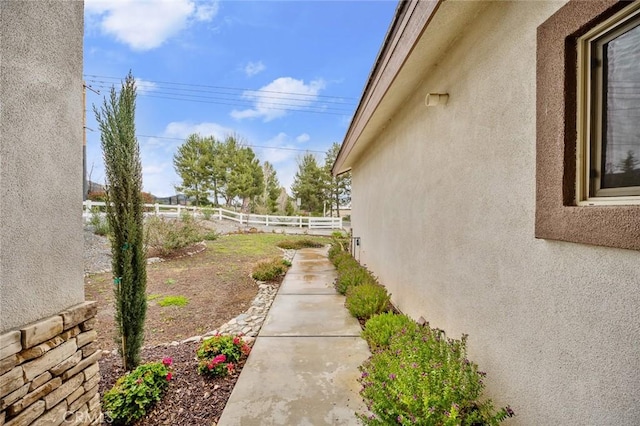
<point>281,74</point>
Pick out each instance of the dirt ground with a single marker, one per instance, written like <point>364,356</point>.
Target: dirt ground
<point>218,287</point>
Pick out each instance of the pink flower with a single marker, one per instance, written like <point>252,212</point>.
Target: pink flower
<point>220,358</point>
<point>230,367</point>
<point>139,381</point>
<point>245,349</point>
<point>236,340</point>
<point>169,376</point>
<point>167,361</point>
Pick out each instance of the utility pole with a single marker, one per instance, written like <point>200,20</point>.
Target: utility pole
<point>84,137</point>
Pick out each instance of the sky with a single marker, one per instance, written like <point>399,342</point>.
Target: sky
<point>283,76</point>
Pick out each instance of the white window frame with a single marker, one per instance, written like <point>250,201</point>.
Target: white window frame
<point>589,129</point>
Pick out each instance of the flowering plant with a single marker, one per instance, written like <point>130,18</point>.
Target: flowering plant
<point>137,391</point>
<point>219,355</point>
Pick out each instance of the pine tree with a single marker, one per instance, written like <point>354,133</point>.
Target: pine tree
<point>194,163</point>
<point>309,185</point>
<point>271,188</point>
<point>123,171</point>
<point>338,187</point>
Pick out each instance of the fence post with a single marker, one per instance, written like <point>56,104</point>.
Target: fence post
<point>219,213</point>
<point>157,209</point>
<point>267,220</point>
<point>300,221</point>
<point>87,205</point>
<point>179,208</point>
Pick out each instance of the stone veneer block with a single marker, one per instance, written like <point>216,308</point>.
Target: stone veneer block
<point>27,416</point>
<point>89,349</point>
<point>88,324</point>
<point>11,349</point>
<point>11,381</point>
<point>41,349</point>
<point>8,363</point>
<point>64,391</point>
<point>67,364</point>
<point>91,382</point>
<point>31,397</point>
<point>53,417</point>
<point>91,371</point>
<point>71,333</point>
<point>54,357</point>
<point>82,365</point>
<point>85,338</point>
<point>9,340</point>
<point>2,415</point>
<point>94,402</point>
<point>13,396</point>
<point>41,331</point>
<point>79,313</point>
<point>40,380</point>
<point>74,396</point>
<point>84,399</point>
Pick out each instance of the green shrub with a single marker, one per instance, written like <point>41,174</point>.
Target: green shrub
<point>366,300</point>
<point>167,235</point>
<point>380,328</point>
<point>299,244</point>
<point>173,301</point>
<point>99,223</point>
<point>352,275</point>
<point>344,260</point>
<point>425,378</point>
<point>207,212</point>
<point>218,355</point>
<point>270,270</point>
<point>135,393</point>
<point>209,235</point>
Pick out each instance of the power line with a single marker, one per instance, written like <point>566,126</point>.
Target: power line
<point>244,144</point>
<point>244,103</point>
<point>117,79</point>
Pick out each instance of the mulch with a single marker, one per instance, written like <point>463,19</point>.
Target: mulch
<point>191,400</point>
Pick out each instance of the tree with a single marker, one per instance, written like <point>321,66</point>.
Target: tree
<point>272,188</point>
<point>246,180</point>
<point>193,162</point>
<point>309,184</point>
<point>116,120</point>
<point>338,187</point>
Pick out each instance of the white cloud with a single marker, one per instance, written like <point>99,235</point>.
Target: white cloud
<point>143,86</point>
<point>281,95</point>
<point>182,129</point>
<point>147,24</point>
<point>253,68</point>
<point>303,138</point>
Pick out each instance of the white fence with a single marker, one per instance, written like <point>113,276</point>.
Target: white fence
<point>220,214</point>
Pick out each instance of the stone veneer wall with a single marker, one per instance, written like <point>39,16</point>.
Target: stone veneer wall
<point>49,371</point>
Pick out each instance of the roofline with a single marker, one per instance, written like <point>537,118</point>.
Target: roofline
<point>410,20</point>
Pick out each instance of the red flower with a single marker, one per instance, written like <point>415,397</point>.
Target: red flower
<point>220,358</point>
<point>236,340</point>
<point>169,376</point>
<point>245,349</point>
<point>167,361</point>
<point>230,367</point>
<point>139,380</point>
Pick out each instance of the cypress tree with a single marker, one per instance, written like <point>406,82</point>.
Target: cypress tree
<point>123,172</point>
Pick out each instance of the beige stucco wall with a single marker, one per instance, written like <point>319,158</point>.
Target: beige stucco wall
<point>444,204</point>
<point>40,159</point>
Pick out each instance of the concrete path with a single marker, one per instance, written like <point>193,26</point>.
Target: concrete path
<point>303,368</point>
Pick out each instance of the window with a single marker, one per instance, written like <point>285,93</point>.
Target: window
<point>586,198</point>
<point>609,111</point>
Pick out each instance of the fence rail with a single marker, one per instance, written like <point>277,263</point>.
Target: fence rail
<point>220,214</point>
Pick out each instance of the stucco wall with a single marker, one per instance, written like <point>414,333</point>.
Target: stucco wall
<point>40,159</point>
<point>444,203</point>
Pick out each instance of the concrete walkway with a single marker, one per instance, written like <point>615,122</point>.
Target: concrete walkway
<point>303,368</point>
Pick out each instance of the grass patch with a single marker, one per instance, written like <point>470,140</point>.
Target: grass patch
<point>170,281</point>
<point>300,243</point>
<point>270,270</point>
<point>173,301</point>
<point>151,297</point>
<point>255,244</point>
